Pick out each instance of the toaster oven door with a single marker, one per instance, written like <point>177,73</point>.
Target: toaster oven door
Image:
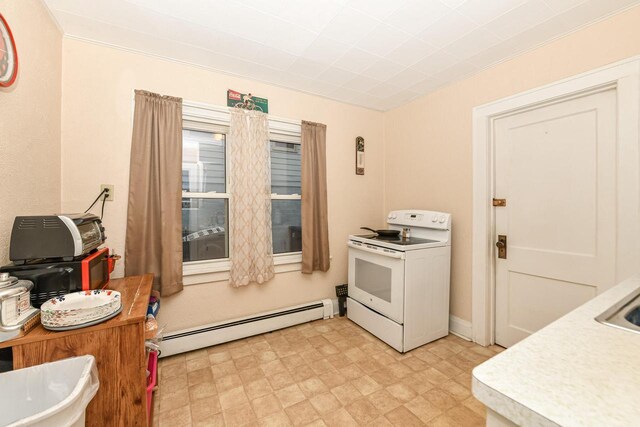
<point>90,235</point>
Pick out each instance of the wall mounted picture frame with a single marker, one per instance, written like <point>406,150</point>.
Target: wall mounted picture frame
<point>8,55</point>
<point>359,155</point>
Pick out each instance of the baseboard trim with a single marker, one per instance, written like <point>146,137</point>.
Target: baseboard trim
<point>460,327</point>
<point>234,329</point>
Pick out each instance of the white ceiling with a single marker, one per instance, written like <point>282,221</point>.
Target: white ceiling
<point>374,53</point>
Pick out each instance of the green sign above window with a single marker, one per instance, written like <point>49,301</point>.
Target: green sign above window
<point>247,101</point>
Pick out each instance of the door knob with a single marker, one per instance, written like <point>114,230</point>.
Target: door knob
<point>501,244</point>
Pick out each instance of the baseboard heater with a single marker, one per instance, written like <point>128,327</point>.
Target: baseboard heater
<point>218,333</point>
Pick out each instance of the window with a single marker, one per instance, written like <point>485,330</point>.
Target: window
<point>285,197</point>
<point>205,200</point>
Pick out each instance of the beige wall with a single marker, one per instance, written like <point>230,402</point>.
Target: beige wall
<point>428,143</point>
<point>98,84</point>
<point>30,119</point>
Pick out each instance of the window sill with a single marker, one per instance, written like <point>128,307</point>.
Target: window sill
<point>199,272</point>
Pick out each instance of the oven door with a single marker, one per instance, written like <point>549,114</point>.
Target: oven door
<point>376,279</point>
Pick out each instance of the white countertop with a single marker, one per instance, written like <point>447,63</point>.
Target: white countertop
<point>574,372</point>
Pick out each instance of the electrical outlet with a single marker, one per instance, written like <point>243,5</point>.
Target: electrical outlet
<point>109,187</point>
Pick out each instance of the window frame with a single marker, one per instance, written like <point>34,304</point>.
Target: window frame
<point>210,118</point>
<point>276,137</point>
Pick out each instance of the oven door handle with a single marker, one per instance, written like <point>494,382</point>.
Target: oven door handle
<point>366,248</point>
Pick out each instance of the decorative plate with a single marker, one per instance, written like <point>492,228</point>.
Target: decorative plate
<point>8,55</point>
<point>82,325</point>
<point>80,307</point>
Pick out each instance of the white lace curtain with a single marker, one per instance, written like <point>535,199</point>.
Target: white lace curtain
<point>250,202</point>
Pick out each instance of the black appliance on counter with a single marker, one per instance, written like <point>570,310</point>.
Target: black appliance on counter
<point>65,236</point>
<point>52,278</point>
<point>59,254</point>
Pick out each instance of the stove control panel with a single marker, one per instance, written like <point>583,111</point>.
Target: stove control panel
<point>420,218</point>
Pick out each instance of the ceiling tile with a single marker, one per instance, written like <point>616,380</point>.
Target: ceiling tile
<point>356,60</point>
<point>402,97</point>
<point>483,11</point>
<point>324,50</point>
<point>349,26</point>
<point>307,67</point>
<point>286,78</point>
<point>265,55</point>
<point>287,39</point>
<point>456,72</point>
<point>372,102</point>
<point>415,15</point>
<point>522,42</point>
<point>407,78</point>
<point>265,73</point>
<point>453,3</point>
<point>362,83</point>
<point>267,6</point>
<point>384,90</point>
<point>448,29</point>
<point>379,9</point>
<point>314,86</point>
<point>223,18</point>
<point>382,39</point>
<point>336,76</point>
<point>492,55</point>
<point>310,14</point>
<point>472,43</point>
<point>410,52</point>
<point>346,95</point>
<point>427,85</point>
<point>563,5</point>
<point>521,18</point>
<point>382,70</point>
<point>435,63</point>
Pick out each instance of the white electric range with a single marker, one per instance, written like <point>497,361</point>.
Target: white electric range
<point>399,288</point>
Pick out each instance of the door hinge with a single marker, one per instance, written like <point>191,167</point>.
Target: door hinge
<point>500,202</point>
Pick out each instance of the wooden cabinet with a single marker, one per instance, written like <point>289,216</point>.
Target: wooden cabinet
<point>118,346</point>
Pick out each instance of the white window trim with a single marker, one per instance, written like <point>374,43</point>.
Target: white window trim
<point>211,117</point>
<point>199,272</point>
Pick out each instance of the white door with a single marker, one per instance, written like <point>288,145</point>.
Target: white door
<point>556,167</point>
<point>376,279</point>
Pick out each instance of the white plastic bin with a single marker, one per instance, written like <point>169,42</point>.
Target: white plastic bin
<point>51,394</point>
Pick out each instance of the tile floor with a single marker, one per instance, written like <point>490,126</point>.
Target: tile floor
<point>328,372</point>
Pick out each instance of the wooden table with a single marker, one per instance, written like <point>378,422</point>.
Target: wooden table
<point>118,346</point>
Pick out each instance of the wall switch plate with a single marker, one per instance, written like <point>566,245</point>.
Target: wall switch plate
<point>110,195</point>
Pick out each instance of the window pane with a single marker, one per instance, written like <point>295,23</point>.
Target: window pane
<point>203,162</point>
<point>285,226</point>
<point>204,229</point>
<point>285,168</point>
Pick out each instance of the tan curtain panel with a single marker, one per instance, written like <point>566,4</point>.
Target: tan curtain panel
<point>315,228</point>
<point>154,220</point>
<point>250,203</point>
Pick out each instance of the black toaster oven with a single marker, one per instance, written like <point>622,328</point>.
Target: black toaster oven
<point>65,236</point>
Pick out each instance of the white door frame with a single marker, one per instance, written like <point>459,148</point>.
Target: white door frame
<point>625,76</point>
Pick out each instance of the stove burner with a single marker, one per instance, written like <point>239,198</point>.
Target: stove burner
<point>387,238</point>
